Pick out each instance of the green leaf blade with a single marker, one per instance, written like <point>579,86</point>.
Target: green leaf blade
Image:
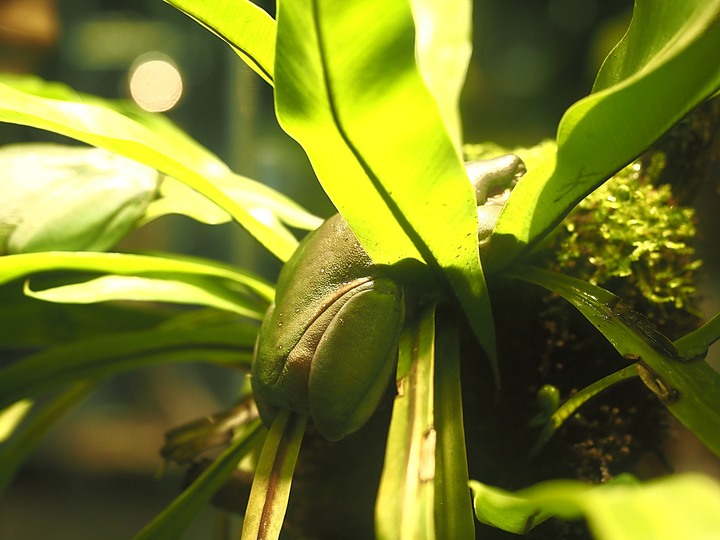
<point>247,28</point>
<point>690,390</point>
<point>682,506</point>
<point>444,47</point>
<point>568,408</point>
<point>405,505</point>
<point>646,43</point>
<point>261,201</point>
<point>453,504</point>
<point>696,344</point>
<point>190,291</point>
<point>144,139</point>
<point>273,477</point>
<point>182,268</point>
<point>348,89</point>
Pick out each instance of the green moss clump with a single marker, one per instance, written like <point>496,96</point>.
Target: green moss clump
<point>631,229</point>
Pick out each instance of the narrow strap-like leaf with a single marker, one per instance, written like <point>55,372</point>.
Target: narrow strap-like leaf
<point>190,290</point>
<point>453,503</point>
<point>574,402</point>
<point>18,266</point>
<point>690,390</point>
<point>405,505</point>
<point>696,344</point>
<point>273,477</point>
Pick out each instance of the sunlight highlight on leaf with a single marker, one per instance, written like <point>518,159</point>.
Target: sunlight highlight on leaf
<point>248,29</point>
<point>142,289</point>
<point>181,268</point>
<point>444,47</point>
<point>142,138</point>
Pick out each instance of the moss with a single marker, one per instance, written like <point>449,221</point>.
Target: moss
<point>631,229</point>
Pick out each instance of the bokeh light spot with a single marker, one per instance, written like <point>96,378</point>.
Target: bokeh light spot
<point>156,85</point>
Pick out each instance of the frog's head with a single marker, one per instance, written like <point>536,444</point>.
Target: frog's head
<point>493,180</point>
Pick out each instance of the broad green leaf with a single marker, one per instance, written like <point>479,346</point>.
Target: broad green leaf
<point>193,291</point>
<point>690,390</point>
<point>249,30</point>
<point>444,47</point>
<point>682,506</point>
<point>62,197</point>
<point>18,448</point>
<point>264,203</point>
<point>667,64</point>
<point>94,122</point>
<point>96,357</point>
<point>257,197</point>
<point>273,477</point>
<point>453,504</point>
<point>348,89</point>
<point>172,522</point>
<point>181,268</point>
<point>405,505</point>
<point>653,35</point>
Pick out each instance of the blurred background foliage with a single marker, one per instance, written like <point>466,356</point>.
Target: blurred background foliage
<point>531,61</point>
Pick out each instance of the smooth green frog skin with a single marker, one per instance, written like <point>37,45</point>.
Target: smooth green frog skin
<point>68,198</point>
<point>327,346</point>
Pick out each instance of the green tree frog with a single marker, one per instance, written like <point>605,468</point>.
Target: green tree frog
<point>327,346</point>
<point>56,197</point>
